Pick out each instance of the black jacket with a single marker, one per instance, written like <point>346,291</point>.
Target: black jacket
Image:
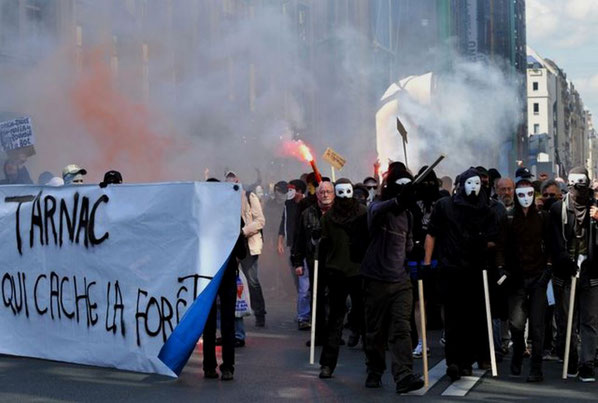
<point>303,245</point>
<point>563,237</point>
<point>390,240</point>
<point>525,244</point>
<point>462,232</point>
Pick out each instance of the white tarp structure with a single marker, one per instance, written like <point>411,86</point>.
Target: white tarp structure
<point>103,276</point>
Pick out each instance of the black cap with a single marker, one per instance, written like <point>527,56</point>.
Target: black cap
<point>299,185</point>
<point>111,178</point>
<point>522,174</point>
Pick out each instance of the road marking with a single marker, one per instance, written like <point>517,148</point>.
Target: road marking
<point>434,376</point>
<point>464,385</point>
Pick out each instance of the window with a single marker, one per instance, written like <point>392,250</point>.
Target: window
<point>536,108</point>
<point>536,128</point>
<point>535,86</point>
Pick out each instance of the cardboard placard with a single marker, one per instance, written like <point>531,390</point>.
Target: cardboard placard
<point>334,159</point>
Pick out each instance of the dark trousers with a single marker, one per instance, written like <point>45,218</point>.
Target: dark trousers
<point>528,302</point>
<point>249,267</point>
<point>228,301</point>
<point>466,331</point>
<point>321,302</point>
<point>339,286</point>
<point>356,316</point>
<point>387,314</point>
<point>585,319</point>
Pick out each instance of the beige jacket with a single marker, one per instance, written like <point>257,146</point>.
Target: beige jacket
<point>254,220</point>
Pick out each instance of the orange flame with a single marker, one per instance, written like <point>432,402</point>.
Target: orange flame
<point>305,153</point>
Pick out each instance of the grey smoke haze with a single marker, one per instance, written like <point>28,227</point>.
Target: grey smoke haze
<point>198,113</point>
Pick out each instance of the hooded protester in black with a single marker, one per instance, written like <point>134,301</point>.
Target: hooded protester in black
<point>460,231</point>
<point>573,242</point>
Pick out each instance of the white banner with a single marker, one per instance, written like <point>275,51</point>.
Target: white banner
<point>103,276</point>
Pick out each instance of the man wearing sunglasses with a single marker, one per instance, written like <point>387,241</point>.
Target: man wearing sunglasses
<point>522,260</point>
<point>573,222</point>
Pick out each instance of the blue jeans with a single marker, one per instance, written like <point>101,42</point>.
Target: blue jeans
<point>303,294</point>
<point>239,329</point>
<point>249,267</point>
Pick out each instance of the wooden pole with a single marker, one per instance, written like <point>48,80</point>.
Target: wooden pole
<point>569,325</point>
<point>312,345</point>
<point>405,152</point>
<point>422,312</point>
<point>333,174</point>
<point>489,323</point>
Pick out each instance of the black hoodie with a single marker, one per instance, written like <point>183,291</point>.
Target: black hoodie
<point>462,227</point>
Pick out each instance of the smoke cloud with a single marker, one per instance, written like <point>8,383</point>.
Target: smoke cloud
<point>230,96</point>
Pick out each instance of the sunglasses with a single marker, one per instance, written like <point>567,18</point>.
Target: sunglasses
<point>528,194</point>
<point>547,195</point>
<point>372,187</point>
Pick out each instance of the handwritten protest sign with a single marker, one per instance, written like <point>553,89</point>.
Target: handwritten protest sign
<point>17,134</point>
<point>334,159</point>
<point>105,276</point>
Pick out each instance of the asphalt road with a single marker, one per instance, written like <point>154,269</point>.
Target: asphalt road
<point>272,367</point>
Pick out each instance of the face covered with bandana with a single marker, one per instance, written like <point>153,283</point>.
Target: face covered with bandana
<point>579,186</point>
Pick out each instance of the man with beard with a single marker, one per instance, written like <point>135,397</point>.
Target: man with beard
<point>307,235</point>
<point>337,253</point>
<point>505,190</point>
<point>387,286</point>
<point>522,260</point>
<point>460,230</point>
<point>573,246</point>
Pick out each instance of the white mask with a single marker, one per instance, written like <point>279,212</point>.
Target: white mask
<point>291,194</point>
<point>403,181</point>
<point>344,190</point>
<point>473,185</point>
<point>577,179</point>
<point>525,196</point>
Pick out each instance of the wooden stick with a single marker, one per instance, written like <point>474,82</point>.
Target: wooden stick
<point>333,174</point>
<point>405,152</point>
<point>489,323</point>
<point>312,345</point>
<point>569,326</point>
<point>422,312</point>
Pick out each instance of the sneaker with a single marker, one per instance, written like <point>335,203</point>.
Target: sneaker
<point>325,372</point>
<point>304,325</point>
<point>535,375</point>
<point>586,374</point>
<point>239,343</point>
<point>373,381</point>
<point>452,371</point>
<point>227,375</point>
<point>418,351</point>
<point>210,374</point>
<point>409,383</point>
<point>353,339</point>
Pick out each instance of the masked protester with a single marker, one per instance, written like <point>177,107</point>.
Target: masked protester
<point>340,267</point>
<point>426,195</point>
<point>286,232</point>
<point>303,253</point>
<point>459,231</point>
<point>372,186</point>
<point>111,178</point>
<point>73,175</point>
<point>551,193</point>
<point>361,193</point>
<point>573,245</point>
<point>387,286</point>
<point>524,273</point>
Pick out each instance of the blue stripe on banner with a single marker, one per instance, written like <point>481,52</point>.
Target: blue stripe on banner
<point>178,348</point>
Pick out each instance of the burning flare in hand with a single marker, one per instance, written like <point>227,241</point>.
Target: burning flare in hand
<point>299,149</point>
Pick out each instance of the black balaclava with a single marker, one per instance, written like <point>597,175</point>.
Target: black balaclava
<point>472,199</point>
<point>344,209</point>
<point>428,191</point>
<point>580,194</point>
<point>396,171</point>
